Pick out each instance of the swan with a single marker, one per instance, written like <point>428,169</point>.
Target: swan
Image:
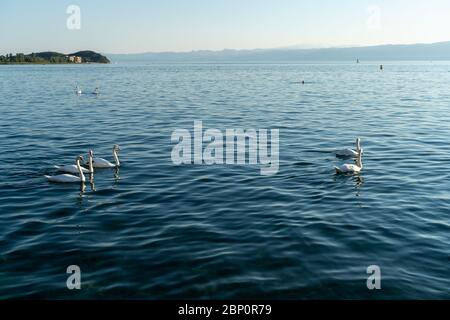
<point>72,168</point>
<point>96,91</point>
<point>350,152</point>
<point>78,90</point>
<point>351,168</point>
<point>102,163</point>
<point>69,178</point>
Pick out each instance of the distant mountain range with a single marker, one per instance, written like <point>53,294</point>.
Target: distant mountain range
<point>49,57</point>
<point>434,51</point>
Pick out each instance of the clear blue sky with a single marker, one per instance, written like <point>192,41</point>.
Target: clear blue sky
<point>183,25</point>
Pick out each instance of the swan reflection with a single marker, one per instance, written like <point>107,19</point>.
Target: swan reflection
<point>359,182</point>
<point>116,174</point>
<point>91,182</point>
<point>81,193</point>
<point>357,179</point>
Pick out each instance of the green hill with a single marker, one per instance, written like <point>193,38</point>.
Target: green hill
<point>49,57</point>
<point>91,57</point>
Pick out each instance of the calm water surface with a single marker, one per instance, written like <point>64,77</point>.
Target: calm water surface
<point>154,230</point>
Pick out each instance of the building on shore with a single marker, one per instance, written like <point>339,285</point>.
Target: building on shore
<point>75,59</point>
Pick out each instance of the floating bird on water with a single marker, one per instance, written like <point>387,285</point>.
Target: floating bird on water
<point>72,168</point>
<point>102,163</point>
<point>350,152</point>
<point>351,168</point>
<point>69,178</point>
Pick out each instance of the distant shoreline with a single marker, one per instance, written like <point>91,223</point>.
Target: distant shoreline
<point>439,51</point>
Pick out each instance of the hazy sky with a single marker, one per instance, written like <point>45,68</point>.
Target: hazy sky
<point>184,25</point>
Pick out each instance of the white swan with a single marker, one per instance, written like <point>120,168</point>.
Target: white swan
<point>72,168</point>
<point>68,178</point>
<point>102,163</point>
<point>351,168</point>
<point>350,152</point>
<point>78,90</point>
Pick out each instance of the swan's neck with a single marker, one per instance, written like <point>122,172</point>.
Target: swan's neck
<point>80,171</point>
<point>91,166</point>
<point>116,158</point>
<point>358,146</point>
<point>359,161</point>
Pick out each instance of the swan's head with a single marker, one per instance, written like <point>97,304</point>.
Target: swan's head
<point>116,147</point>
<point>91,153</point>
<point>80,158</point>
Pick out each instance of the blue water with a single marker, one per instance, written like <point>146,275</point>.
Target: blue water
<point>153,230</point>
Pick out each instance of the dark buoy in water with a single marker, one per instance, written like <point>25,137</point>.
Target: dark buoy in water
<point>381,67</point>
<point>303,81</point>
<point>357,60</point>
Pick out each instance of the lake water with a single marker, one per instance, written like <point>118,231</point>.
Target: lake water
<point>154,230</point>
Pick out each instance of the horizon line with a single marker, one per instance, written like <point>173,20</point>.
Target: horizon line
<point>290,47</point>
